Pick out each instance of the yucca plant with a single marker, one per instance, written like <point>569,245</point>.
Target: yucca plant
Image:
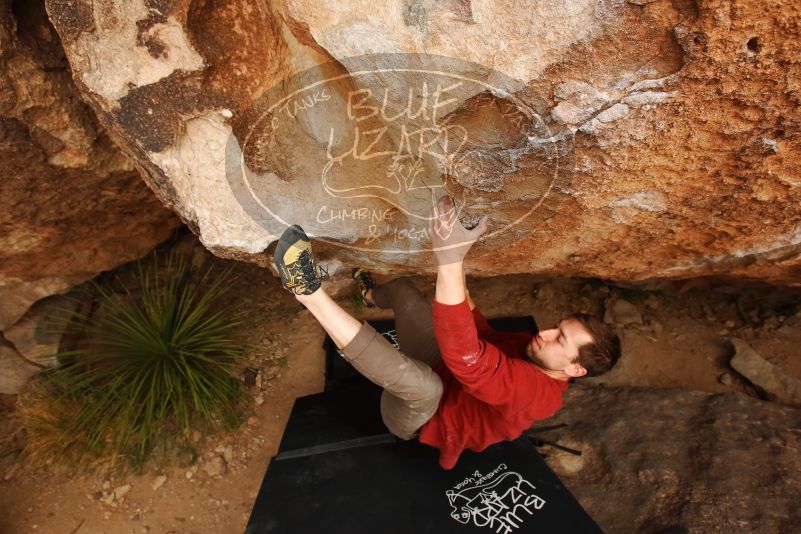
<point>153,363</point>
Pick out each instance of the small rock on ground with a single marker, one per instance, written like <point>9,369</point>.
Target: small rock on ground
<point>767,376</point>
<point>215,466</point>
<point>621,312</point>
<point>158,482</point>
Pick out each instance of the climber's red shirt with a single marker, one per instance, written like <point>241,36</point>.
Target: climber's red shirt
<point>492,391</point>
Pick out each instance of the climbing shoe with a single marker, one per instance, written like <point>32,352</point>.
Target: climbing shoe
<point>362,277</point>
<point>299,272</point>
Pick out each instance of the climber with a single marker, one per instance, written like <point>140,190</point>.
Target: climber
<point>455,383</point>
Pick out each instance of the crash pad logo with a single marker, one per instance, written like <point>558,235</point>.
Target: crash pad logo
<point>392,337</point>
<point>501,500</point>
<point>359,151</point>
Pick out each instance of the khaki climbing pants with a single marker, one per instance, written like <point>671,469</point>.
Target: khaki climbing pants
<point>412,390</point>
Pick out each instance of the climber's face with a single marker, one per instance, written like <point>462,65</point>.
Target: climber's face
<point>557,349</point>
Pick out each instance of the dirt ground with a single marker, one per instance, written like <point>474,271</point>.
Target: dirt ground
<point>681,343</point>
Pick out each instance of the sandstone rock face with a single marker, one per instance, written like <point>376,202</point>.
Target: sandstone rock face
<point>656,460</point>
<point>624,140</point>
<point>71,204</point>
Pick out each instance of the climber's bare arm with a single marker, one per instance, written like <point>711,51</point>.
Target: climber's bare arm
<point>467,292</point>
<point>450,284</point>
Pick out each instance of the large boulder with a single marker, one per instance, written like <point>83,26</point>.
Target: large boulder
<point>71,203</point>
<point>624,140</point>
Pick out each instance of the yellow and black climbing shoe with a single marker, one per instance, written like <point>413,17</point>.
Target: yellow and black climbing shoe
<point>362,277</point>
<point>299,272</point>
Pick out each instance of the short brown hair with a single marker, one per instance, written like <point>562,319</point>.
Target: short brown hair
<point>602,354</point>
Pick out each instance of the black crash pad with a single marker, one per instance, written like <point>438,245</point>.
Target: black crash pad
<point>339,471</point>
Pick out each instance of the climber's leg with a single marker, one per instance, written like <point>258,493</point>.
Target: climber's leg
<point>414,325</point>
<point>412,390</point>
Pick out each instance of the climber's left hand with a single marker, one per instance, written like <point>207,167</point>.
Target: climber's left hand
<point>450,241</point>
